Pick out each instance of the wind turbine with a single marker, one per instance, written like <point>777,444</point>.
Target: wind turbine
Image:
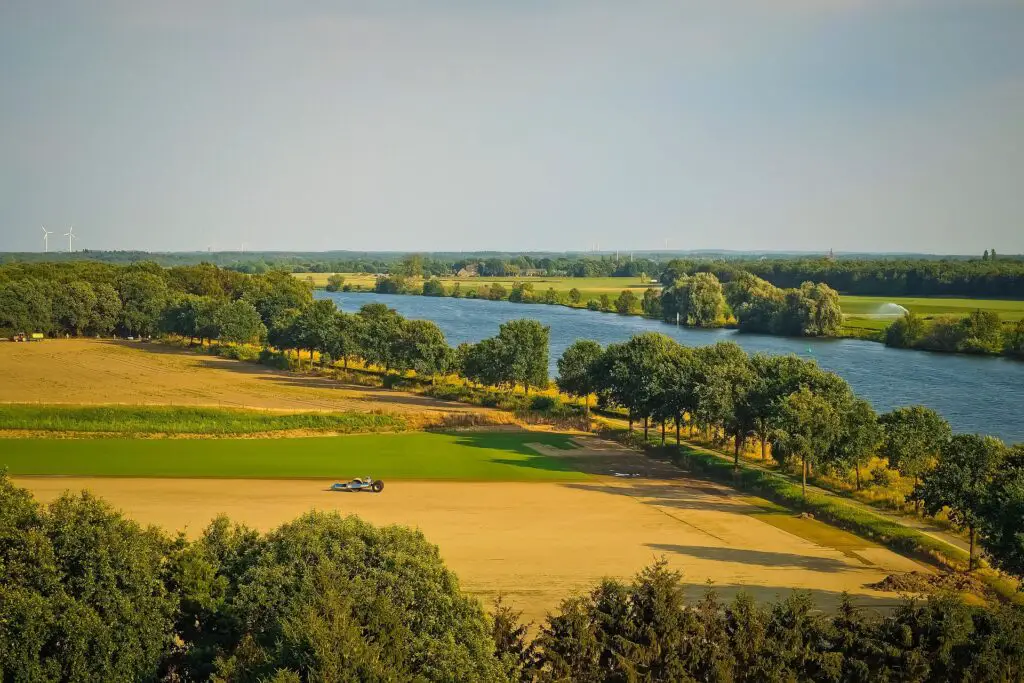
<point>70,234</point>
<point>46,238</point>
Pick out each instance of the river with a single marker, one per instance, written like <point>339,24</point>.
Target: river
<point>976,394</point>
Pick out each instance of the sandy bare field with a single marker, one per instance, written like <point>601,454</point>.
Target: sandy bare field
<point>85,371</point>
<point>539,542</point>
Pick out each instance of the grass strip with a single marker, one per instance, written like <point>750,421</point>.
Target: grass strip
<point>185,420</point>
<point>464,456</point>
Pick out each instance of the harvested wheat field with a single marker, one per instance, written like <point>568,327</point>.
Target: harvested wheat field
<point>539,542</point>
<point>90,371</point>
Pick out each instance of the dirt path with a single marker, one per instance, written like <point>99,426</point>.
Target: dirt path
<point>537,542</point>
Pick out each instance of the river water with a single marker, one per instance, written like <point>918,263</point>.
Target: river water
<point>976,394</point>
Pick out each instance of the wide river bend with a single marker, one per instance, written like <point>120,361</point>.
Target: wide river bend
<point>976,394</point>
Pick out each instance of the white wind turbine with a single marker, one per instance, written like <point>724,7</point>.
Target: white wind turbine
<point>46,238</point>
<point>70,234</point>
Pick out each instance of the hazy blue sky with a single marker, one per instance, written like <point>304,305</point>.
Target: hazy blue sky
<point>407,124</point>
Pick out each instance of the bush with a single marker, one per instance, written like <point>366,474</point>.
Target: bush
<point>882,476</point>
<point>544,403</point>
<point>275,359</point>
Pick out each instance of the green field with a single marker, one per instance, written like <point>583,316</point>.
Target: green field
<point>588,286</point>
<point>471,456</point>
<point>185,420</point>
<point>933,306</point>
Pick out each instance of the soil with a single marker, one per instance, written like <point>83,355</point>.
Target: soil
<point>92,371</point>
<point>536,543</point>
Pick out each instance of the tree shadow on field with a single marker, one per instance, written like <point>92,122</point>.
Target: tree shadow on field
<point>513,442</point>
<point>682,496</point>
<point>824,600</point>
<point>758,557</point>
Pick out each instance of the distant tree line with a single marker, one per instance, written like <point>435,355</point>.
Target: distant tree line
<point>88,595</point>
<point>810,418</point>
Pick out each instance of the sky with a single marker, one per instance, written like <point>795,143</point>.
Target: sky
<point>418,125</point>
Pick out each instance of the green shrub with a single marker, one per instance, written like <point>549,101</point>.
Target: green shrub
<point>882,477</point>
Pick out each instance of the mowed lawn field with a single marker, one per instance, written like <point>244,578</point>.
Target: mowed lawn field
<point>932,306</point>
<point>472,456</point>
<point>588,286</point>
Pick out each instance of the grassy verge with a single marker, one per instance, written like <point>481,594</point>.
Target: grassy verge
<point>473,456</point>
<point>185,420</point>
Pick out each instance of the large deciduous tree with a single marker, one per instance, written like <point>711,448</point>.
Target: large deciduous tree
<point>83,591</point>
<point>808,426</point>
<point>522,347</point>
<point>912,438</point>
<point>143,297</point>
<point>1002,519</point>
<point>961,482</point>
<point>578,371</point>
<point>859,436</point>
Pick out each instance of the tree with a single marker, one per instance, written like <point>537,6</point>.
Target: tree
<point>859,436</point>
<point>496,292</point>
<point>575,296</point>
<point>905,333</point>
<point>25,307</point>
<point>523,352</point>
<point>707,301</point>
<point>605,302</point>
<point>335,282</point>
<point>239,322</point>
<point>143,297</point>
<point>378,327</point>
<point>277,296</point>
<point>627,302</point>
<point>72,306</point>
<point>808,426</point>
<point>1002,519</point>
<point>962,480</point>
<point>433,287</point>
<point>82,591</point>
<point>982,332</point>
<point>521,292</point>
<point>1015,340</point>
<point>726,378</point>
<point>327,598</point>
<point>912,438</point>
<point>421,346</point>
<point>344,340</point>
<point>411,266</point>
<point>107,310</point>
<point>651,304</point>
<point>390,284</point>
<point>578,371</point>
<point>627,371</point>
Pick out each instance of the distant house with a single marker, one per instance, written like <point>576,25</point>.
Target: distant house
<point>467,272</point>
<point>532,272</point>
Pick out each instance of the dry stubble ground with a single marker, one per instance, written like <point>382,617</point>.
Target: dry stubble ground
<point>90,371</point>
<point>535,542</point>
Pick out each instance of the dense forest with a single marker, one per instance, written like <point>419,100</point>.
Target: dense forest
<point>990,275</point>
<point>88,595</point>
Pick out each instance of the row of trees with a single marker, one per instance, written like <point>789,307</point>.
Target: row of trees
<point>88,595</point>
<point>810,310</point>
<point>142,299</point>
<point>807,417</point>
<point>978,332</point>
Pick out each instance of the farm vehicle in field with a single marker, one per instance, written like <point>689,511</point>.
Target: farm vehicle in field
<point>360,484</point>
